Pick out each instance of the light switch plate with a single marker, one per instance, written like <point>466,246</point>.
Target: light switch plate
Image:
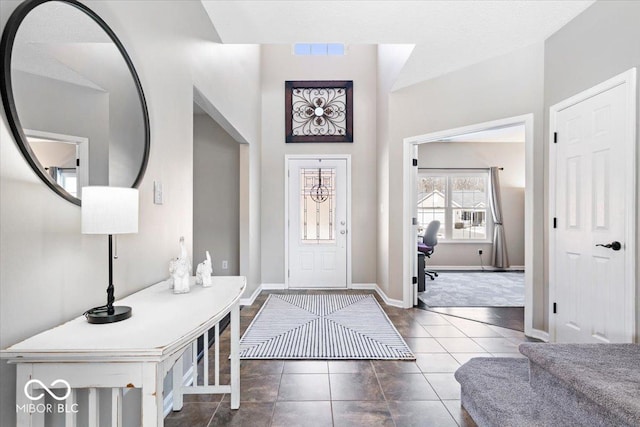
<point>158,197</point>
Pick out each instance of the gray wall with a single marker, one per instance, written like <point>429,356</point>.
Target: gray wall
<point>598,44</point>
<point>49,271</point>
<point>506,86</point>
<point>216,201</point>
<point>49,105</point>
<point>510,156</point>
<point>278,65</point>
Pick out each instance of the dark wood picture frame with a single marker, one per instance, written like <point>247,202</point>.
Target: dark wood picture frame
<point>300,130</point>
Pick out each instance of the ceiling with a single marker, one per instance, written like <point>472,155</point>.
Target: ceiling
<point>449,35</point>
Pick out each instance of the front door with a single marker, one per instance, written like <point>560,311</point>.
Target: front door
<point>317,225</point>
<point>592,178</point>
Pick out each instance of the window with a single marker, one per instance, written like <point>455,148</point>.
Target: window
<point>322,49</point>
<point>459,200</point>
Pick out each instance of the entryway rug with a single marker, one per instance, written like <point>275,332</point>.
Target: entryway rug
<point>334,326</point>
<point>473,289</point>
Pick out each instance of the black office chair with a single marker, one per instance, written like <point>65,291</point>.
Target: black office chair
<point>429,242</point>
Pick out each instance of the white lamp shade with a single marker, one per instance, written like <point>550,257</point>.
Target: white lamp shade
<point>109,210</point>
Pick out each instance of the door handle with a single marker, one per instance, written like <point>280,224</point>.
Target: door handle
<point>343,232</point>
<point>615,245</point>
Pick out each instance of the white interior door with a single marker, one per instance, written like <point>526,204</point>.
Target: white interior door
<point>591,204</point>
<point>317,208</point>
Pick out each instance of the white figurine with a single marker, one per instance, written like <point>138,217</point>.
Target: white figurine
<point>180,270</point>
<point>204,272</point>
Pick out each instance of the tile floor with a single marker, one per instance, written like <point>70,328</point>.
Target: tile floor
<point>356,393</point>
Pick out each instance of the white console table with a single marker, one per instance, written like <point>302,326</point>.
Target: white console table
<point>134,353</point>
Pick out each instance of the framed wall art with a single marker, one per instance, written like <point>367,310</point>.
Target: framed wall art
<point>319,111</point>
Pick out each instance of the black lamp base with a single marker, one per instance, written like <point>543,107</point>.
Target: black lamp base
<point>101,315</point>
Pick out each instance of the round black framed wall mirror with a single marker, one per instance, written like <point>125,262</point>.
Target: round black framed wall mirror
<point>73,98</point>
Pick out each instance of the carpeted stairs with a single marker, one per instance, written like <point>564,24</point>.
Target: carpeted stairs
<point>557,385</point>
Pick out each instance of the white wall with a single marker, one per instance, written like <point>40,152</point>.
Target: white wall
<point>359,65</point>
<point>49,272</point>
<point>216,189</point>
<point>506,86</point>
<point>510,156</point>
<point>598,44</point>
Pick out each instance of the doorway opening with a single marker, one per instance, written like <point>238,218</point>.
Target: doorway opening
<point>453,182</point>
<point>64,157</point>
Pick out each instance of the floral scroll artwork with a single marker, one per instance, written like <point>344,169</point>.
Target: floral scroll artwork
<point>319,111</point>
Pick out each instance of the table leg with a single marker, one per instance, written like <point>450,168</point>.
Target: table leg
<point>152,400</point>
<point>177,384</point>
<point>235,357</point>
<point>24,417</point>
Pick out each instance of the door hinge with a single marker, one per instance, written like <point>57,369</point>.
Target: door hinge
<point>415,162</point>
<point>555,222</point>
<point>78,162</point>
<point>414,221</point>
<point>414,280</point>
<point>288,173</point>
<point>555,137</point>
<point>288,273</point>
<point>555,308</point>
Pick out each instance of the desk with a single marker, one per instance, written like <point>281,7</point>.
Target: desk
<point>137,352</point>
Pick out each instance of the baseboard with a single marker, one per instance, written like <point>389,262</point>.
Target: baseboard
<point>472,267</point>
<point>272,286</point>
<point>187,379</point>
<point>389,301</point>
<point>365,286</point>
<point>252,298</point>
<point>538,334</point>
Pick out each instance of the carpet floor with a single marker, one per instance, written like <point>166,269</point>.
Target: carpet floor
<point>338,326</point>
<point>475,289</point>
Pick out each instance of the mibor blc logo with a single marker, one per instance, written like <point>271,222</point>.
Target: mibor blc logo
<point>37,392</point>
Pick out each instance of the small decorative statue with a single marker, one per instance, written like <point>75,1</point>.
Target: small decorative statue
<point>180,270</point>
<point>204,271</point>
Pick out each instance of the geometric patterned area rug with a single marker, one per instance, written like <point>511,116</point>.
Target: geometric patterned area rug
<point>474,289</point>
<point>334,326</point>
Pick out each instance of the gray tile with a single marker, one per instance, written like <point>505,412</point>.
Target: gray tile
<point>430,318</point>
<point>444,331</point>
<point>355,387</point>
<point>361,414</point>
<point>258,368</point>
<point>350,367</point>
<point>474,329</point>
<point>395,366</point>
<point>249,414</point>
<point>305,367</point>
<point>304,387</point>
<point>406,387</point>
<point>258,389</point>
<point>445,385</point>
<point>436,362</point>
<point>461,416</point>
<point>513,355</point>
<point>497,345</point>
<point>192,414</point>
<point>460,345</point>
<point>412,329</point>
<point>463,358</point>
<point>302,414</point>
<point>419,414</point>
<point>425,345</point>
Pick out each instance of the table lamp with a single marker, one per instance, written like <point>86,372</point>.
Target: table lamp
<point>109,210</point>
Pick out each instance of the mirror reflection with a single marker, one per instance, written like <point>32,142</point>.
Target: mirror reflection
<point>76,100</point>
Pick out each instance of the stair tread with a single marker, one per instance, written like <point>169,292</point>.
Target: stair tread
<point>501,395</point>
<point>606,374</point>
